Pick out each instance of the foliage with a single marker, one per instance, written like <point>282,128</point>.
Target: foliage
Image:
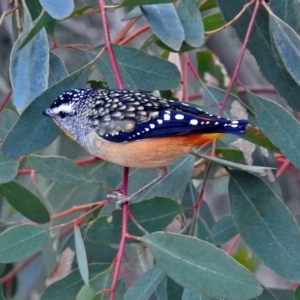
<point>174,241</point>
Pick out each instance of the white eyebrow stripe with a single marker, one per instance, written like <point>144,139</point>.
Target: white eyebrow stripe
<point>66,108</point>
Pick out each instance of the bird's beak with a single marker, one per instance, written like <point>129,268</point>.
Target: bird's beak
<point>47,112</point>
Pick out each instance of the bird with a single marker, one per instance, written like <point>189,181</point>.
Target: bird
<point>136,129</point>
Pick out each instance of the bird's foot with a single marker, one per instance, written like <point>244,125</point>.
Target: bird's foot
<point>121,198</point>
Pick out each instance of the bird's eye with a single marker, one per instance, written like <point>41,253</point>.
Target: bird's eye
<point>62,114</point>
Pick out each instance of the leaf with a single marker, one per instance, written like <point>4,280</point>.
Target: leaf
<point>86,293</point>
<point>81,255</point>
<point>261,45</point>
<point>59,169</point>
<point>278,125</point>
<point>57,69</point>
<point>265,224</point>
<point>152,215</point>
<point>139,70</point>
<point>142,2</point>
<point>33,126</point>
<point>145,286</point>
<point>190,295</point>
<point>8,167</point>
<point>213,21</point>
<point>214,273</point>
<point>7,120</point>
<point>165,23</point>
<point>191,21</point>
<point>24,202</point>
<point>224,230</point>
<point>254,169</point>
<point>29,67</point>
<point>20,242</point>
<point>56,10</point>
<point>287,43</point>
<point>41,22</point>
<point>254,135</point>
<point>68,287</point>
<point>297,293</point>
<point>287,12</point>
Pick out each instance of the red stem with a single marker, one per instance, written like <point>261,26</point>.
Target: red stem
<point>5,100</point>
<point>109,47</point>
<point>241,56</point>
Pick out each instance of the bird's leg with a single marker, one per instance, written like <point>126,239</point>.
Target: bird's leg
<point>162,172</point>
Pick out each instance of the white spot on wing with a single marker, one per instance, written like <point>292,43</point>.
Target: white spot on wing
<point>179,117</point>
<point>159,121</point>
<point>152,126</point>
<point>194,122</point>
<point>167,117</point>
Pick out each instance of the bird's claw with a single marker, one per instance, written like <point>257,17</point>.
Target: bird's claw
<point>121,198</point>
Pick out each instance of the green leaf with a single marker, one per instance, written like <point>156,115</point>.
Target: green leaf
<point>101,281</point>
<point>29,67</point>
<point>255,136</point>
<point>86,293</point>
<point>152,215</point>
<point>224,230</point>
<point>145,286</point>
<point>287,43</point>
<point>139,70</point>
<point>214,273</point>
<point>20,242</point>
<point>56,10</point>
<point>213,21</point>
<point>278,125</point>
<point>33,126</point>
<point>165,24</point>
<point>261,45</point>
<point>8,167</point>
<point>191,21</point>
<point>24,202</point>
<point>68,287</point>
<point>297,293</point>
<point>59,169</point>
<point>81,255</point>
<point>265,224</point>
<point>208,5</point>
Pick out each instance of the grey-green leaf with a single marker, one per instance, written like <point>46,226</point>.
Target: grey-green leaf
<point>287,43</point>
<point>33,126</point>
<point>278,125</point>
<point>20,242</point>
<point>24,202</point>
<point>8,167</point>
<point>265,223</point>
<point>60,169</point>
<point>81,255</point>
<point>145,286</point>
<point>29,66</point>
<point>191,21</point>
<point>56,9</point>
<point>139,70</point>
<point>201,267</point>
<point>224,230</point>
<point>165,23</point>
